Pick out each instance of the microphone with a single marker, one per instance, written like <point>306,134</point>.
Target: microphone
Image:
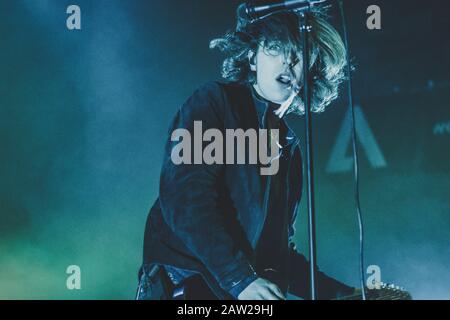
<point>260,9</point>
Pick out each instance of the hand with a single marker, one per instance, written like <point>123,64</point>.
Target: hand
<point>261,289</point>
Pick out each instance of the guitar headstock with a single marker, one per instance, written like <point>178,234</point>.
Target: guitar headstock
<point>387,291</point>
<point>382,291</point>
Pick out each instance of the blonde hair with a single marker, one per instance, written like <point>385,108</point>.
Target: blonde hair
<point>327,52</point>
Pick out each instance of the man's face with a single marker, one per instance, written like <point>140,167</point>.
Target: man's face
<point>275,72</point>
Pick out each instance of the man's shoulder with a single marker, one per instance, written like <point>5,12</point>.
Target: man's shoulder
<point>214,96</point>
<point>219,89</point>
<point>206,94</point>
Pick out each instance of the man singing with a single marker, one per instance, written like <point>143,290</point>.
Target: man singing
<point>225,231</point>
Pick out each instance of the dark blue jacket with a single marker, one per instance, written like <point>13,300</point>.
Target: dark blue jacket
<point>208,218</point>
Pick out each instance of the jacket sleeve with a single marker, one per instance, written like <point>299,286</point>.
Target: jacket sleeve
<point>189,196</point>
<point>299,275</point>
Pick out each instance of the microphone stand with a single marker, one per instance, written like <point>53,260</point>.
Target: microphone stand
<point>305,29</point>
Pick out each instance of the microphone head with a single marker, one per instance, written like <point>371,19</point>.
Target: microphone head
<point>246,11</point>
<point>253,10</point>
<point>248,8</point>
<point>243,19</point>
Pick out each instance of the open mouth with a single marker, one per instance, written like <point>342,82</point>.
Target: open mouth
<point>284,79</point>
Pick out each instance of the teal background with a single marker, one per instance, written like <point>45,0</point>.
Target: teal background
<point>84,116</point>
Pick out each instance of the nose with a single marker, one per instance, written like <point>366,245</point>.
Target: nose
<point>291,61</point>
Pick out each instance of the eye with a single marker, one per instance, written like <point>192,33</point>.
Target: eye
<point>273,49</point>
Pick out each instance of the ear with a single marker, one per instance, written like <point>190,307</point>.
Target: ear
<point>252,60</point>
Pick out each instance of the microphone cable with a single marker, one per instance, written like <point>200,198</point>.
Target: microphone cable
<point>355,152</point>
